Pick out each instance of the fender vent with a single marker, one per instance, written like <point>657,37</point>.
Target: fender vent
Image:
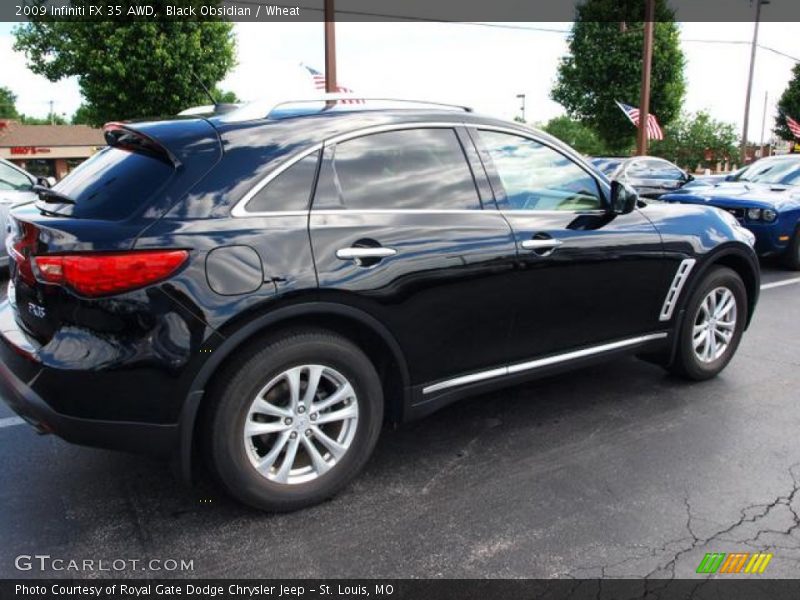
<point>681,275</point>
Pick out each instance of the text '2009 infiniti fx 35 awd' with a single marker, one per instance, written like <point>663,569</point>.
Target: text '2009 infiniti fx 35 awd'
<point>271,285</point>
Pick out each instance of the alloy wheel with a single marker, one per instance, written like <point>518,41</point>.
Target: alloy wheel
<point>714,325</point>
<point>301,424</point>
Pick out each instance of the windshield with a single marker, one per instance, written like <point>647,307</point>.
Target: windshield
<point>13,180</point>
<point>784,171</point>
<point>606,165</point>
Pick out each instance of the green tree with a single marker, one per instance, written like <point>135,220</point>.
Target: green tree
<point>691,137</point>
<point>576,134</point>
<point>789,105</point>
<point>50,119</point>
<point>228,97</point>
<point>82,116</point>
<point>131,70</point>
<point>8,104</point>
<point>604,66</point>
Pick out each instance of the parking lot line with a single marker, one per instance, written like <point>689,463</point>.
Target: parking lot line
<point>775,284</point>
<point>10,422</point>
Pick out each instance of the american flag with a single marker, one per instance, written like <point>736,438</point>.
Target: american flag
<point>653,128</point>
<point>793,125</point>
<point>319,83</point>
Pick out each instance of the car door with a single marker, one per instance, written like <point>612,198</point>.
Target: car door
<point>398,231</point>
<point>587,277</point>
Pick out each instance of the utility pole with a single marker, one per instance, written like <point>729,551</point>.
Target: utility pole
<point>753,49</point>
<point>763,123</point>
<point>522,108</point>
<point>647,63</point>
<point>52,114</point>
<point>330,48</point>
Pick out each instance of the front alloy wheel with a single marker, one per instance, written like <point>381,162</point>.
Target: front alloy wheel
<point>709,335</point>
<point>714,325</point>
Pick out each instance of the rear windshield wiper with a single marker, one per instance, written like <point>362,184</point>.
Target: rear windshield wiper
<point>47,194</point>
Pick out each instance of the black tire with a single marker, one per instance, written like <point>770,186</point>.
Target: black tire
<point>687,364</point>
<point>238,386</point>
<point>791,259</point>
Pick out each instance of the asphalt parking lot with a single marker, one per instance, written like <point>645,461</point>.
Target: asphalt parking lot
<point>618,471</point>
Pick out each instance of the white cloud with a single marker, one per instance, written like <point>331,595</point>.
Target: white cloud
<point>485,67</point>
<point>35,92</point>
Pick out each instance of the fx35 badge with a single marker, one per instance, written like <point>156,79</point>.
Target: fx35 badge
<point>36,310</point>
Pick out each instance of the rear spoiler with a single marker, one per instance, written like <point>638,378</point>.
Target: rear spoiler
<point>124,137</point>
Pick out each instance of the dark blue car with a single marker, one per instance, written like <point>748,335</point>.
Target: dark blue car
<point>765,198</point>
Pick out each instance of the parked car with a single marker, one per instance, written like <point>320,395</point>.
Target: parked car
<point>649,176</point>
<point>765,198</point>
<point>16,185</point>
<point>266,291</point>
<point>717,178</point>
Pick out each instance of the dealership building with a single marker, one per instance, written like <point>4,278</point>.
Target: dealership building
<point>48,150</point>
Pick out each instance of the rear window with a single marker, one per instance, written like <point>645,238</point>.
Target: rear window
<point>112,184</point>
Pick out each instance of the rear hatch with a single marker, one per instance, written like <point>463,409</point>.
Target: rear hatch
<point>75,245</point>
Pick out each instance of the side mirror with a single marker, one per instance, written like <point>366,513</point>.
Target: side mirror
<point>623,198</point>
<point>44,181</point>
<point>689,177</point>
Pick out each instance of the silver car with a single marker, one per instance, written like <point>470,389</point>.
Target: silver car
<point>16,186</point>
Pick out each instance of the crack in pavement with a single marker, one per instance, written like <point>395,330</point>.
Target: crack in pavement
<point>750,514</point>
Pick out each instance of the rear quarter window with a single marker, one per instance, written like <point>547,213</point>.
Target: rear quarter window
<point>113,184</point>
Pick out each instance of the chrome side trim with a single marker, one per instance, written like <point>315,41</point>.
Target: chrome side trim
<point>552,360</point>
<point>542,362</point>
<point>671,301</point>
<point>364,131</point>
<point>465,379</point>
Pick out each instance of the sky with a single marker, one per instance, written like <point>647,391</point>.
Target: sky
<point>477,65</point>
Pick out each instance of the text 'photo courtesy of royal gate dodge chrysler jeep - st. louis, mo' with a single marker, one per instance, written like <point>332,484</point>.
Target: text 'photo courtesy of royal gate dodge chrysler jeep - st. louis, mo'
<point>263,289</point>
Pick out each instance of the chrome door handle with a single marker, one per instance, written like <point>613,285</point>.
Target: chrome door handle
<point>539,244</point>
<point>355,252</point>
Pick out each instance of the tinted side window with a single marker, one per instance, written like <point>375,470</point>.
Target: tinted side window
<point>407,169</point>
<point>664,170</point>
<point>536,177</point>
<point>291,190</point>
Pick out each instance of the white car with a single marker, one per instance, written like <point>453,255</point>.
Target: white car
<point>16,186</point>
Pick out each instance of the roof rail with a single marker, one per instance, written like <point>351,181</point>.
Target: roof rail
<point>264,109</point>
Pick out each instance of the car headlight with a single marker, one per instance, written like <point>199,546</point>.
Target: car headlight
<point>769,215</point>
<point>753,214</point>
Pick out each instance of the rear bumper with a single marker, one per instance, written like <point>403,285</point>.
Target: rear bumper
<point>19,371</point>
<point>144,438</point>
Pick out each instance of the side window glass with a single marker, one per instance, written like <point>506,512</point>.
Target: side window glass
<point>536,177</point>
<point>11,179</point>
<point>664,170</point>
<point>289,191</point>
<point>638,169</point>
<point>406,169</point>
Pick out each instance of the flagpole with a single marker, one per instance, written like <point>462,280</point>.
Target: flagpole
<point>647,63</point>
<point>330,47</point>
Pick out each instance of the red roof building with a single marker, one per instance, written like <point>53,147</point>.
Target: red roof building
<point>48,150</point>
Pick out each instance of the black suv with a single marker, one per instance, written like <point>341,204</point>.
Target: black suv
<point>270,286</point>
